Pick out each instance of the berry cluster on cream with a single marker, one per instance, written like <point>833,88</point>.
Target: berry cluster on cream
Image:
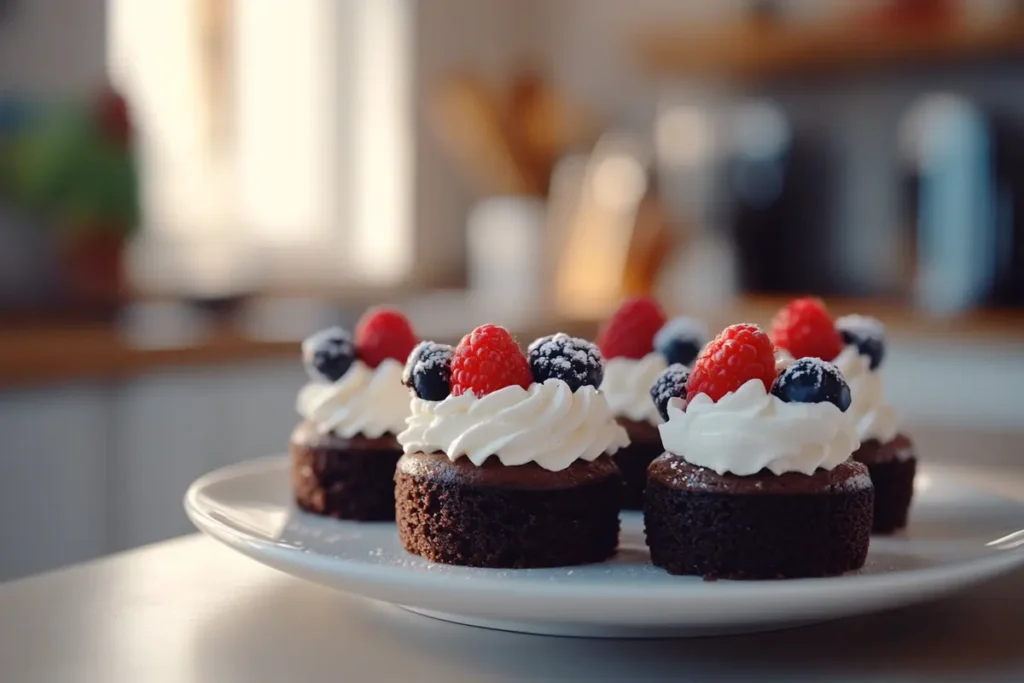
<point>354,383</point>
<point>856,345</point>
<point>638,342</point>
<point>737,412</point>
<point>485,398</point>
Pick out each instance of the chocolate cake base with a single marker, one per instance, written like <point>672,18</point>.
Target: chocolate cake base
<point>633,460</point>
<point>892,467</point>
<point>344,478</point>
<point>763,526</point>
<point>499,516</point>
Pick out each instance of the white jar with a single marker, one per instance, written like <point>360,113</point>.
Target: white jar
<point>507,264</point>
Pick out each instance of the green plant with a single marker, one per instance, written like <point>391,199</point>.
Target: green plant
<point>75,167</point>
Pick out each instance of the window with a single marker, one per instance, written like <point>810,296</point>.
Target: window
<point>275,139</point>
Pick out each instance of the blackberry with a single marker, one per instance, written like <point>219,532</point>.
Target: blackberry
<point>671,383</point>
<point>328,354</point>
<point>867,334</point>
<point>812,380</point>
<point>428,371</point>
<point>680,340</point>
<point>575,361</point>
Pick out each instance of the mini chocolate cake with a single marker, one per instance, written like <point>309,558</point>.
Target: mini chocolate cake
<point>344,478</point>
<point>638,342</point>
<point>761,526</point>
<point>892,467</point>
<point>633,460</point>
<point>345,449</point>
<point>500,516</point>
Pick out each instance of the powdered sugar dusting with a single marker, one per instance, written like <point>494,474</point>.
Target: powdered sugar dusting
<point>862,326</point>
<point>855,483</point>
<point>816,369</point>
<point>904,454</point>
<point>671,383</point>
<point>438,355</point>
<point>428,356</point>
<point>564,357</point>
<point>331,344</point>
<point>683,327</point>
<point>811,375</point>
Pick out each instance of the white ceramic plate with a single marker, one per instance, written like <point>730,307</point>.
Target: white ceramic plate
<point>967,526</point>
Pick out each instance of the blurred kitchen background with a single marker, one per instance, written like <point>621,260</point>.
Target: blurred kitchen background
<point>189,187</point>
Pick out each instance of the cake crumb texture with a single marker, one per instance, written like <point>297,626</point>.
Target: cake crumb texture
<point>892,467</point>
<point>894,489</point>
<point>720,534</point>
<point>350,483</point>
<point>455,523</point>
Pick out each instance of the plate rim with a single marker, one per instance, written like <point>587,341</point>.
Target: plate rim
<point>378,581</point>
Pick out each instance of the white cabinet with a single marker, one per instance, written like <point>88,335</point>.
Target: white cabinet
<point>256,410</point>
<point>54,447</point>
<point>91,469</point>
<point>163,431</point>
<point>169,428</point>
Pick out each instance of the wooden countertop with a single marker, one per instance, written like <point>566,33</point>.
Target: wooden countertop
<point>153,338</point>
<point>48,354</point>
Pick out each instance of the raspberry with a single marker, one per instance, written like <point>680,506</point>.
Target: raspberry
<point>805,329</point>
<point>730,360</point>
<point>630,331</point>
<point>384,333</point>
<point>488,359</point>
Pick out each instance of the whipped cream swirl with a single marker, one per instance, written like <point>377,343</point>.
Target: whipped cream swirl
<point>872,417</point>
<point>783,359</point>
<point>750,429</point>
<point>627,384</point>
<point>365,400</point>
<point>548,424</point>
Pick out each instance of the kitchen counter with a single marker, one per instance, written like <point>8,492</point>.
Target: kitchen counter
<point>190,610</point>
<point>155,336</point>
<point>65,353</point>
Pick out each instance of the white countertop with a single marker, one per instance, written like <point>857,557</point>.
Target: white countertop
<point>190,610</point>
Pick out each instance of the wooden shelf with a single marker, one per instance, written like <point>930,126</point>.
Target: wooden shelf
<point>753,51</point>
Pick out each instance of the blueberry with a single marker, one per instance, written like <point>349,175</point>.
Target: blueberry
<point>680,340</point>
<point>328,354</point>
<point>575,361</point>
<point>428,371</point>
<point>671,383</point>
<point>867,334</point>
<point>812,380</point>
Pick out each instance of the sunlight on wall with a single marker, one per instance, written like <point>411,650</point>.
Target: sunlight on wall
<point>284,120</point>
<point>312,166</point>
<point>383,241</point>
